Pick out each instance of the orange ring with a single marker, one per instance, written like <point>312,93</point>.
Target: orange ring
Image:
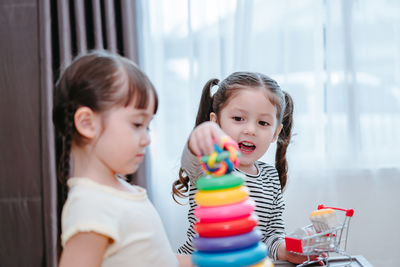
<point>232,153</point>
<point>222,170</point>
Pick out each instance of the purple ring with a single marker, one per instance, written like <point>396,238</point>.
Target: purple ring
<point>229,243</point>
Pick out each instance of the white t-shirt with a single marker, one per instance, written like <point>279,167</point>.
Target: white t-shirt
<point>128,218</point>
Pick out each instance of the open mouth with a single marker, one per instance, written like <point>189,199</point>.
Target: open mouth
<point>246,147</point>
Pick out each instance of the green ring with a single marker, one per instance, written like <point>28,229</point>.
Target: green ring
<point>210,182</point>
<point>220,157</point>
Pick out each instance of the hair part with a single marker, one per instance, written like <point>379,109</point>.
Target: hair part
<point>100,81</point>
<point>227,89</point>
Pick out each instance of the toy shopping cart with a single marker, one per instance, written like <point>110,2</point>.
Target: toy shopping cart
<point>317,245</point>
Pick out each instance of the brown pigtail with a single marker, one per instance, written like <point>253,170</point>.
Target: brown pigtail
<point>64,165</point>
<point>65,151</point>
<point>206,102</point>
<point>283,140</point>
<point>181,186</point>
<point>63,118</point>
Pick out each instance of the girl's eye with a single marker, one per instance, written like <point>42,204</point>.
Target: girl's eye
<point>236,118</point>
<point>142,126</point>
<point>263,123</point>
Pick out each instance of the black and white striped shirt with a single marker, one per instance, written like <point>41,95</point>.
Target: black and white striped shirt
<point>264,189</point>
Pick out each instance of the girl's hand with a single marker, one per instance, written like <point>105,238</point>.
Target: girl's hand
<point>184,260</point>
<point>202,138</point>
<point>285,255</point>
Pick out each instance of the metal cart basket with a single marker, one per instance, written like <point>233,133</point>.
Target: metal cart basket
<point>318,245</point>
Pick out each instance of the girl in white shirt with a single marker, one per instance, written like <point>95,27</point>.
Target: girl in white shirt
<point>103,106</point>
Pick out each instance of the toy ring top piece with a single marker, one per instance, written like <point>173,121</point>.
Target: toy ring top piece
<point>223,160</point>
<point>209,183</point>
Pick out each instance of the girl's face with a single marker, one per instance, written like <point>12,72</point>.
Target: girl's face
<point>121,145</point>
<point>250,119</point>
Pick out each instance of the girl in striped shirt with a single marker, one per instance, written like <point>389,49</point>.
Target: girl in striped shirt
<point>253,110</point>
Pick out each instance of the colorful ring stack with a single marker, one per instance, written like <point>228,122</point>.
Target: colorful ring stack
<point>226,228</point>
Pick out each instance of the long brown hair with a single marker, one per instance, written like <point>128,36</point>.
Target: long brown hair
<point>226,90</point>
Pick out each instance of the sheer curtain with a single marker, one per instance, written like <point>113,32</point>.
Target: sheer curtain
<point>340,60</point>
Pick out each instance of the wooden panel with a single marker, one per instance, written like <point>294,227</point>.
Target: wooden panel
<point>110,25</point>
<point>19,100</point>
<point>21,232</point>
<point>64,31</point>
<point>48,165</point>
<point>129,33</point>
<point>80,26</point>
<point>98,33</point>
<point>20,167</point>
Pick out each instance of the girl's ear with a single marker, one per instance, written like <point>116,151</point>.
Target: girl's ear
<point>277,132</point>
<point>213,117</point>
<point>86,122</point>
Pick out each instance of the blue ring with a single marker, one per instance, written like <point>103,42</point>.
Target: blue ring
<point>237,258</point>
<point>212,169</point>
<point>229,165</point>
<point>217,148</point>
<point>235,242</point>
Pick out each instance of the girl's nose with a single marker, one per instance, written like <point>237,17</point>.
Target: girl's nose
<point>250,129</point>
<point>145,139</point>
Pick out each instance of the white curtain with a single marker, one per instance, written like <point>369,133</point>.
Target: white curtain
<point>340,60</point>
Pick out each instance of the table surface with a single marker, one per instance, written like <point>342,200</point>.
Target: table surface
<point>357,260</point>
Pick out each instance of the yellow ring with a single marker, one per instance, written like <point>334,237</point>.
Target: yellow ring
<point>221,197</point>
<point>265,263</point>
<point>212,159</point>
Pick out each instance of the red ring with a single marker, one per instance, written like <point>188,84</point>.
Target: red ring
<point>226,228</point>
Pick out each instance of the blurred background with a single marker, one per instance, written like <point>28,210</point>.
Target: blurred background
<point>340,61</point>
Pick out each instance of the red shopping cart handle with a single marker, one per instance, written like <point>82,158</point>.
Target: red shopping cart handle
<point>349,212</point>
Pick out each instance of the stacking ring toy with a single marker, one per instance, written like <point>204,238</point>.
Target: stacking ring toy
<point>209,244</point>
<point>223,160</point>
<point>225,212</point>
<point>223,182</point>
<point>252,255</point>
<point>226,228</point>
<point>221,197</point>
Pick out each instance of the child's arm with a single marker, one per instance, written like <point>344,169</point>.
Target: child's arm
<point>283,254</point>
<point>184,260</point>
<point>84,249</point>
